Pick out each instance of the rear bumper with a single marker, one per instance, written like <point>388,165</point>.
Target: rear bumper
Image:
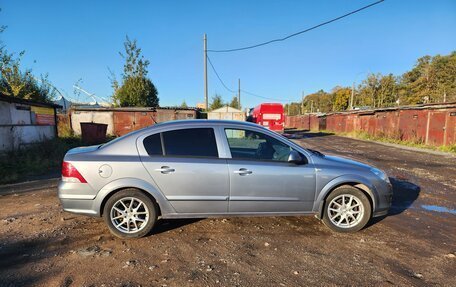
<point>79,206</point>
<point>77,198</point>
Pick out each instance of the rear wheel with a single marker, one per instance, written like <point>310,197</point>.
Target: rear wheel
<point>130,213</point>
<point>347,209</point>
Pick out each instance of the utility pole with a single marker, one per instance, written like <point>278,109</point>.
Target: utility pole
<point>239,93</point>
<point>302,103</point>
<point>352,96</point>
<point>205,72</point>
<point>444,95</point>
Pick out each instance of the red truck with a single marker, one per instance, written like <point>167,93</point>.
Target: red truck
<point>269,115</point>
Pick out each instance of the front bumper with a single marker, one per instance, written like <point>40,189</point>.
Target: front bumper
<point>384,200</point>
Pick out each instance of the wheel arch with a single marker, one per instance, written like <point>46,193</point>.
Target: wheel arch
<point>149,190</point>
<point>354,181</point>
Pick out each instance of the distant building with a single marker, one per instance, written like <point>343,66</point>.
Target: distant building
<point>226,113</point>
<point>24,122</point>
<point>121,121</point>
<point>201,106</point>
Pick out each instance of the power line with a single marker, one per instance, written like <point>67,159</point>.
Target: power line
<point>267,98</point>
<point>215,71</point>
<point>247,92</point>
<point>297,33</point>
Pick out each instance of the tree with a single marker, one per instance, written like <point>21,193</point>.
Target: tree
<point>368,90</point>
<point>234,103</point>
<point>320,101</point>
<point>184,105</point>
<point>135,63</point>
<point>388,91</point>
<point>217,102</point>
<point>341,98</point>
<point>136,90</point>
<point>292,109</point>
<point>310,103</point>
<point>432,79</point>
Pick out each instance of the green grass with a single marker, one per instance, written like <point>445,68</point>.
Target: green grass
<point>35,160</point>
<point>395,139</point>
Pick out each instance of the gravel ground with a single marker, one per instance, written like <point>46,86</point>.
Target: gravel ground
<point>414,245</point>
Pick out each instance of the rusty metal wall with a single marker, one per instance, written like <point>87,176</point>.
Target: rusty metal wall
<point>314,123</point>
<point>121,121</point>
<point>413,125</point>
<point>127,121</point>
<point>450,130</point>
<point>302,122</point>
<point>432,125</point>
<point>124,122</point>
<point>436,128</point>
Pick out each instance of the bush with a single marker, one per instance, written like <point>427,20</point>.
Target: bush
<point>36,159</point>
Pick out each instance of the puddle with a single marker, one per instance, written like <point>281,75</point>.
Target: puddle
<point>439,209</point>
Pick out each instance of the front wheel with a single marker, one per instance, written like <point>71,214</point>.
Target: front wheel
<point>347,209</point>
<point>130,213</point>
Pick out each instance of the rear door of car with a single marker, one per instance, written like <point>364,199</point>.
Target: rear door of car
<point>261,178</point>
<point>185,165</point>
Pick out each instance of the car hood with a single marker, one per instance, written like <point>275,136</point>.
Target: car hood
<point>345,162</point>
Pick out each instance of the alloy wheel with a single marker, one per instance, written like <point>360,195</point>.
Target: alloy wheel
<point>129,215</point>
<point>345,211</point>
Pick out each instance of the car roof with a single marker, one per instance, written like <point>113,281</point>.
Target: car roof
<point>203,121</point>
<point>182,124</point>
<point>133,136</point>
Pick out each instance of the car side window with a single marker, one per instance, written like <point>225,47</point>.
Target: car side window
<point>153,145</point>
<point>199,142</point>
<point>245,144</point>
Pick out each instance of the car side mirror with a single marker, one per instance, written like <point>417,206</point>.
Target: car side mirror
<point>294,157</point>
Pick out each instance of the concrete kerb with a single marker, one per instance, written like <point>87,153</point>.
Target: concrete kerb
<point>29,186</point>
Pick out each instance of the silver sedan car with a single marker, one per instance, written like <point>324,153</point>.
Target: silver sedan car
<point>206,168</point>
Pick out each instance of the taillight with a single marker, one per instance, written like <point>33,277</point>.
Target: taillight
<point>71,174</point>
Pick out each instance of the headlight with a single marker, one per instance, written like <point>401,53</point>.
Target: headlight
<point>380,174</point>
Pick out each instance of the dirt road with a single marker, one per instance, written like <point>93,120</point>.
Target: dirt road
<point>414,245</point>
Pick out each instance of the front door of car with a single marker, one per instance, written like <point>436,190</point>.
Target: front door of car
<point>186,167</point>
<point>262,179</point>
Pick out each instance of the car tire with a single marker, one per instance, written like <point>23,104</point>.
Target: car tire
<point>346,209</point>
<point>130,213</point>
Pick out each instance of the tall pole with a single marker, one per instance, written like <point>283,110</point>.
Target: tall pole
<point>205,72</point>
<point>352,96</point>
<point>239,93</point>
<point>302,103</point>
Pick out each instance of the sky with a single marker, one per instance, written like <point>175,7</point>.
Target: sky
<point>72,40</point>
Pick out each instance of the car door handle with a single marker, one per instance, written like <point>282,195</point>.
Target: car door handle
<point>243,171</point>
<point>165,169</point>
